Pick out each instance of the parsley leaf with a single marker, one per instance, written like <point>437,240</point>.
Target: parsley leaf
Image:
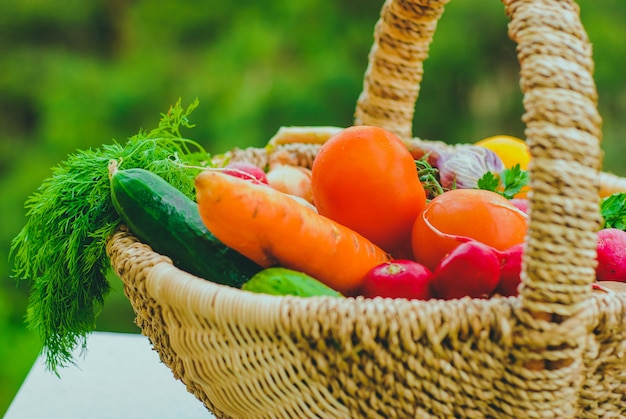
<point>489,182</point>
<point>508,183</point>
<point>514,179</point>
<point>613,211</point>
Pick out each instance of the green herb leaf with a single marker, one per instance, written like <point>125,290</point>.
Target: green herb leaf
<point>62,247</point>
<point>513,179</point>
<point>489,182</point>
<point>613,211</point>
<point>508,184</point>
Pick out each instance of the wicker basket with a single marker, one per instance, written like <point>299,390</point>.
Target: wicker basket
<point>558,350</point>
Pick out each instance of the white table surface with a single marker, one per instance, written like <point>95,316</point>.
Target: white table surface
<point>118,376</point>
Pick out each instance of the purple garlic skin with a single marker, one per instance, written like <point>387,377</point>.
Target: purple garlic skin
<point>467,165</point>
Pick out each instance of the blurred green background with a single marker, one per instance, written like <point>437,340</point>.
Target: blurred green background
<point>79,74</point>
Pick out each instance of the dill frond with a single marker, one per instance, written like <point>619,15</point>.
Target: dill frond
<point>62,247</point>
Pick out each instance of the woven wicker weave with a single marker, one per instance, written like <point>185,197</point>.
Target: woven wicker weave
<point>556,351</point>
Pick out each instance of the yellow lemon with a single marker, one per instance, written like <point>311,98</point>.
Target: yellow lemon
<point>511,150</point>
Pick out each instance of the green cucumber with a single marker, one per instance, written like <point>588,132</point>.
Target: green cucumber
<point>283,281</point>
<point>167,220</point>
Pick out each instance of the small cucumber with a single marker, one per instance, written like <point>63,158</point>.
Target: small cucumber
<point>283,281</point>
<point>164,218</point>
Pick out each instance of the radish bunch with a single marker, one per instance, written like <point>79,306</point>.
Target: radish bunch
<point>472,269</point>
<point>476,270</point>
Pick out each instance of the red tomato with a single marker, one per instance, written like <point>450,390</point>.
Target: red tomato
<point>366,179</point>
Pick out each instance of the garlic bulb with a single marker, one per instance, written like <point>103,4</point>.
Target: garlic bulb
<point>467,165</point>
<point>292,180</point>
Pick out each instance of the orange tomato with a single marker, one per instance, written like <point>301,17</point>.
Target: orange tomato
<point>365,178</point>
<point>458,215</point>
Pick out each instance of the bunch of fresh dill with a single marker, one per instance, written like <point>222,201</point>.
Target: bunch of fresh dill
<point>62,247</point>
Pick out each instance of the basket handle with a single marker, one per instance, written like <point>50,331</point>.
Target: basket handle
<point>563,130</point>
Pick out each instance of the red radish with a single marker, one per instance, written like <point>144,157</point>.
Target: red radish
<point>471,269</point>
<point>611,251</point>
<point>247,171</point>
<point>400,278</point>
<point>521,204</point>
<point>511,262</point>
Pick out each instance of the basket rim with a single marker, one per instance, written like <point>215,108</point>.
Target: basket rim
<point>200,296</point>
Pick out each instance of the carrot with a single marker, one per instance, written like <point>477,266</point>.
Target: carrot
<point>271,228</point>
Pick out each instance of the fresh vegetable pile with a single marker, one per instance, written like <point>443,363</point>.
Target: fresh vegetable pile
<point>372,216</point>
